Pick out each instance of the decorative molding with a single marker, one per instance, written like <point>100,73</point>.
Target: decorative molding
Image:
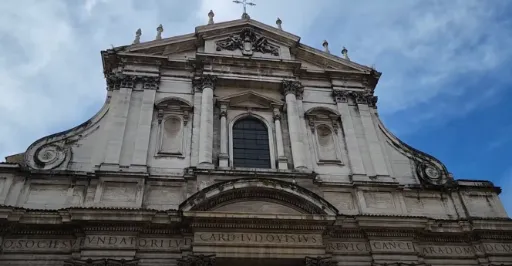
<point>204,81</point>
<point>399,264</point>
<point>102,262</point>
<point>197,260</point>
<point>248,42</point>
<point>294,87</point>
<point>319,261</point>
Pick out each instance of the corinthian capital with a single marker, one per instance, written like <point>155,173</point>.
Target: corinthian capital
<point>292,86</point>
<point>340,96</point>
<point>204,81</point>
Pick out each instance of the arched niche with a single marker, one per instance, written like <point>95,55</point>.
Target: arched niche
<point>173,127</point>
<point>325,136</point>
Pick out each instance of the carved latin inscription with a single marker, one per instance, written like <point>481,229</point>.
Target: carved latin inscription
<point>431,250</point>
<point>391,246</point>
<point>102,242</point>
<point>258,238</point>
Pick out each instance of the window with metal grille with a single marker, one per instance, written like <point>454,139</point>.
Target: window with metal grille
<point>250,144</point>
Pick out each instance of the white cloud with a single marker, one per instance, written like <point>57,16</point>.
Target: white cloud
<point>50,67</point>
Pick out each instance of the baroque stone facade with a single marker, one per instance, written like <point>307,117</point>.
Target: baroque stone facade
<point>163,174</point>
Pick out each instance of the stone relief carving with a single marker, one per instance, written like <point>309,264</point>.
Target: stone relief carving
<point>319,261</point>
<point>248,42</point>
<point>102,262</point>
<point>399,264</point>
<point>197,260</point>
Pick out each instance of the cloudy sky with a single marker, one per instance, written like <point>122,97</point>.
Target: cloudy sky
<point>445,88</point>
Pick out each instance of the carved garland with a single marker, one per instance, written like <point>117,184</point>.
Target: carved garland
<point>248,42</point>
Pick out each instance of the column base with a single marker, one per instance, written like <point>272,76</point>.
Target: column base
<point>206,166</point>
<point>282,163</point>
<point>223,160</point>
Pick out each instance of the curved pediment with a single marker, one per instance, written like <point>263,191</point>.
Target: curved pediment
<point>258,195</point>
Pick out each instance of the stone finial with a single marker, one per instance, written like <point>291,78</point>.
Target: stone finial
<point>138,33</point>
<point>246,16</point>
<point>279,22</point>
<point>325,44</point>
<point>210,17</point>
<point>159,31</point>
<point>344,52</point>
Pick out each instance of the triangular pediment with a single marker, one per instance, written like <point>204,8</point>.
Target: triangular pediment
<point>250,99</point>
<point>244,38</point>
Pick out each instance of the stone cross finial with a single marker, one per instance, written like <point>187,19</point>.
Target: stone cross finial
<point>344,52</point>
<point>326,46</point>
<point>279,23</point>
<point>138,33</point>
<point>210,17</point>
<point>159,31</point>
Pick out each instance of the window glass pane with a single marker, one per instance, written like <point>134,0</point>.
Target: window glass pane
<point>250,144</point>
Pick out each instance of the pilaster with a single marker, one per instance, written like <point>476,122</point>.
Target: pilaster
<point>117,119</point>
<point>140,153</point>
<point>364,103</point>
<point>354,154</point>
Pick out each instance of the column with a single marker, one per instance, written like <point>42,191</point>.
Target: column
<point>374,148</point>
<point>290,89</point>
<point>206,125</point>
<point>354,154</point>
<point>140,152</point>
<point>282,162</point>
<point>115,128</point>
<point>223,156</point>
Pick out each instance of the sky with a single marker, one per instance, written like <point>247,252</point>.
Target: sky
<point>446,65</point>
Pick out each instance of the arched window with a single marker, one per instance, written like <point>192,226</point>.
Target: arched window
<point>250,144</point>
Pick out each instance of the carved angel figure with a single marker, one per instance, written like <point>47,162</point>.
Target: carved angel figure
<point>262,45</point>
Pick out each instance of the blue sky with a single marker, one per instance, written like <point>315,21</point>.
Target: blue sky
<point>446,65</point>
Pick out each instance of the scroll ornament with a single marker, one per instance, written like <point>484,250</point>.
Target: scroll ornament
<point>51,156</point>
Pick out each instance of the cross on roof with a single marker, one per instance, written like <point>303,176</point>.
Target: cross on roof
<point>245,3</point>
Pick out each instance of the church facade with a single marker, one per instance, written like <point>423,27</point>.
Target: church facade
<point>239,145</point>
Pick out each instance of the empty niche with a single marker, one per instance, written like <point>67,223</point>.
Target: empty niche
<point>326,144</point>
<point>172,136</point>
